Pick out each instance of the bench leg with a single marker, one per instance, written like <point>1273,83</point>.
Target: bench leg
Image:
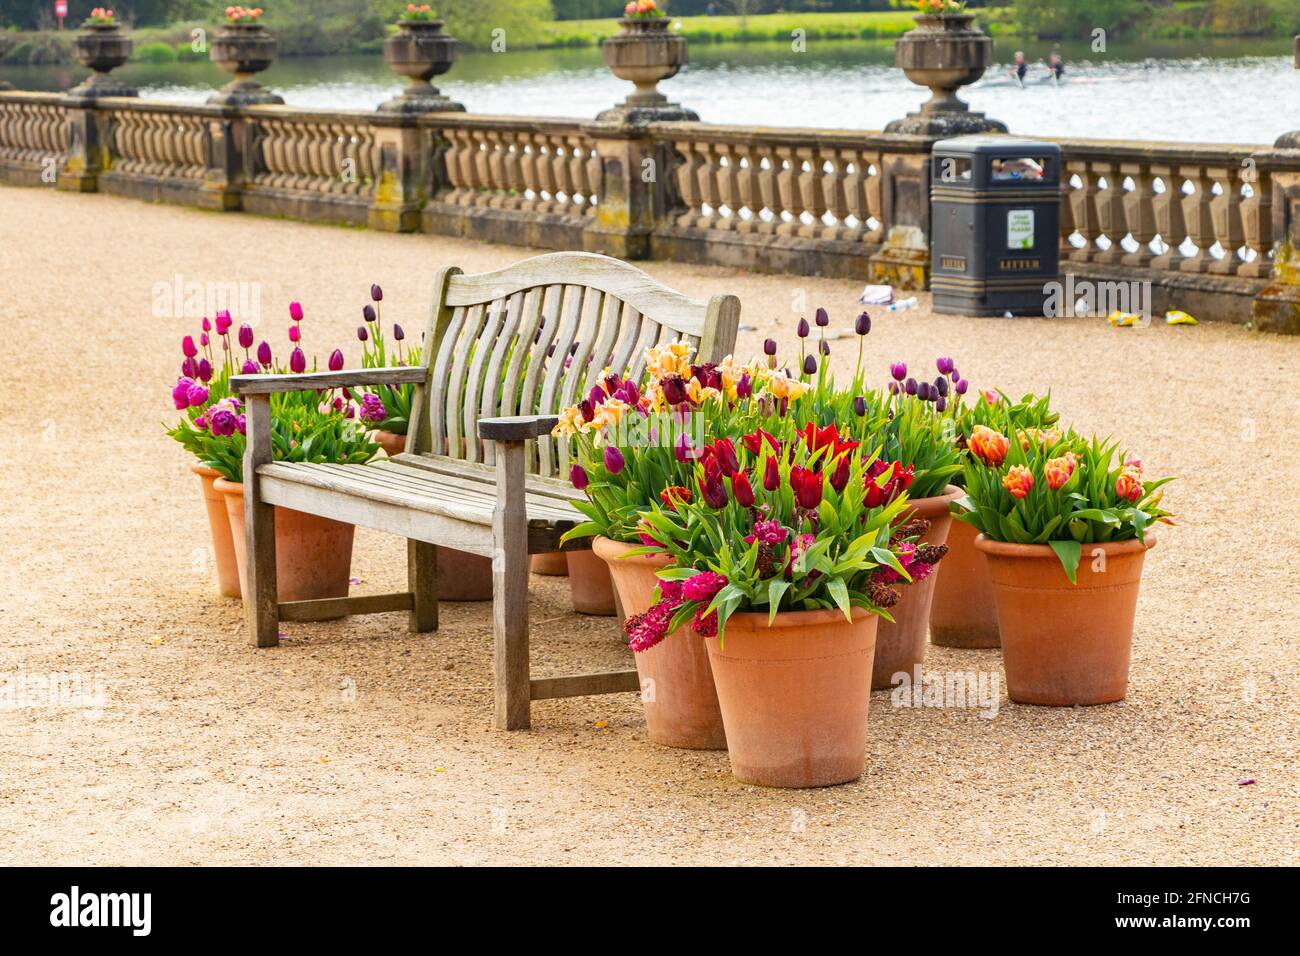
<point>261,600</point>
<point>510,590</point>
<point>422,579</point>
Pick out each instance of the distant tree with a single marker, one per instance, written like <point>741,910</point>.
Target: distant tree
<point>1076,19</point>
<point>475,22</point>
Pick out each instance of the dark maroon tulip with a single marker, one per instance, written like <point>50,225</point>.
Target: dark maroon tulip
<point>744,387</point>
<point>809,365</point>
<point>246,336</point>
<point>712,488</point>
<point>941,384</point>
<point>923,391</point>
<point>822,318</point>
<point>362,334</point>
<point>769,346</point>
<point>860,403</point>
<point>940,403</point>
<point>376,293</point>
<point>368,313</point>
<point>771,474</point>
<point>743,490</point>
<point>190,368</point>
<point>297,362</point>
<point>397,332</point>
<point>910,386</point>
<point>863,325</point>
<point>825,347</point>
<point>802,329</point>
<point>264,353</point>
<point>894,388</point>
<point>588,410</point>
<point>840,476</point>
<point>205,370</point>
<point>336,360</point>
<point>674,390</point>
<point>188,347</point>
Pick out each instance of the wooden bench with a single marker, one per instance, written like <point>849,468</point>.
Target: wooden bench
<point>504,353</point>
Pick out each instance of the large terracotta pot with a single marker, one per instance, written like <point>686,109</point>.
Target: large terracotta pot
<point>590,584</point>
<point>962,613</point>
<point>681,703</point>
<point>313,555</point>
<point>553,563</point>
<point>900,646</point>
<point>1066,644</point>
<point>223,544</point>
<point>794,695</point>
<point>463,576</point>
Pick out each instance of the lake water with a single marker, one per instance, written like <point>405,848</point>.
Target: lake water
<point>1225,91</point>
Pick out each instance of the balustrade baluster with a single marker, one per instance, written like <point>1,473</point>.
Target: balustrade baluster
<point>1139,209</point>
<point>1200,220</point>
<point>1169,216</point>
<point>1257,223</point>
<point>1225,212</point>
<point>1084,205</point>
<point>1111,218</point>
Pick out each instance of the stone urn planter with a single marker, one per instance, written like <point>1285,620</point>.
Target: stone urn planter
<point>420,51</point>
<point>243,49</point>
<point>644,53</point>
<point>944,53</point>
<point>678,695</point>
<point>1291,140</point>
<point>794,695</point>
<point>1064,644</point>
<point>102,47</point>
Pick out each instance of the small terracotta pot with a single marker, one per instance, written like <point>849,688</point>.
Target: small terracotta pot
<point>962,613</point>
<point>590,584</point>
<point>463,576</point>
<point>794,695</point>
<point>392,443</point>
<point>680,701</point>
<point>900,646</point>
<point>1066,644</point>
<point>223,544</point>
<point>553,563</point>
<point>313,555</point>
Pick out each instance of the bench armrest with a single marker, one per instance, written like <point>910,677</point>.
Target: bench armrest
<point>314,381</point>
<point>516,427</point>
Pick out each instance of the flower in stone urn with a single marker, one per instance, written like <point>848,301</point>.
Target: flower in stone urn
<point>420,51</point>
<point>941,8</point>
<point>417,14</point>
<point>243,14</point>
<point>100,17</point>
<point>102,47</point>
<point>643,53</point>
<point>642,10</point>
<point>244,48</point>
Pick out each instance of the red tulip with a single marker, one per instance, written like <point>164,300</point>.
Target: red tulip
<point>741,488</point>
<point>771,474</point>
<point>840,476</point>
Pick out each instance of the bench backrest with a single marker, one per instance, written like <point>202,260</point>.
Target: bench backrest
<point>533,338</point>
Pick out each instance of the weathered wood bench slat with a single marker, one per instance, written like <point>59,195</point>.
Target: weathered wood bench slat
<point>559,489</point>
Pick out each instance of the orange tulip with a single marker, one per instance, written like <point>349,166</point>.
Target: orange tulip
<point>1058,471</point>
<point>1018,481</point>
<point>988,446</point>
<point>1129,485</point>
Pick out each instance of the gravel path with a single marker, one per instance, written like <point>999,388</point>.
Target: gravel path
<point>357,743</point>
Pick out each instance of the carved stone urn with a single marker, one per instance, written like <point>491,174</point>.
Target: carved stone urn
<point>1291,140</point>
<point>243,49</point>
<point>420,51</point>
<point>644,53</point>
<point>944,53</point>
<point>102,47</point>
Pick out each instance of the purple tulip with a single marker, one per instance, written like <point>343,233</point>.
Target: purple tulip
<point>825,347</point>
<point>744,387</point>
<point>376,293</point>
<point>398,334</point>
<point>961,386</point>
<point>204,341</point>
<point>898,370</point>
<point>188,346</point>
<point>223,321</point>
<point>190,368</point>
<point>940,403</point>
<point>336,360</point>
<point>295,311</point>
<point>294,334</point>
<point>205,370</point>
<point>246,336</point>
<point>802,329</point>
<point>822,318</point>
<point>941,384</point>
<point>923,391</point>
<point>197,395</point>
<point>250,368</point>
<point>893,388</point>
<point>181,393</point>
<point>910,386</point>
<point>297,362</point>
<point>577,476</point>
<point>368,313</point>
<point>944,365</point>
<point>863,325</point>
<point>362,334</point>
<point>207,326</point>
<point>769,346</point>
<point>954,375</point>
<point>264,353</point>
<point>809,365</point>
<point>860,406</point>
<point>614,461</point>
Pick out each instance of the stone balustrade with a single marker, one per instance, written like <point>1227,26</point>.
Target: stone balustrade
<point>33,137</point>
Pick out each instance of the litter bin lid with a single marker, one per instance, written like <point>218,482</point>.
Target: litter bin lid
<point>986,145</point>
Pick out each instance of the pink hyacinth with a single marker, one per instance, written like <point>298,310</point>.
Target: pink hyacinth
<point>671,591</point>
<point>649,629</point>
<point>703,586</point>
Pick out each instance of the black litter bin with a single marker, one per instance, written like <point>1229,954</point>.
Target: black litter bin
<point>995,209</point>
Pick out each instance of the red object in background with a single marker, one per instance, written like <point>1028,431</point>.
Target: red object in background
<point>60,10</point>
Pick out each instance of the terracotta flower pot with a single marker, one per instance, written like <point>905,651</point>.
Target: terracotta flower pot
<point>554,563</point>
<point>223,544</point>
<point>313,555</point>
<point>794,696</point>
<point>590,584</point>
<point>463,576</point>
<point>392,443</point>
<point>962,613</point>
<point>900,646</point>
<point>1066,644</point>
<point>681,703</point>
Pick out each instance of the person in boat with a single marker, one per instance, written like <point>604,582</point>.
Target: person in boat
<point>1057,66</point>
<point>1021,68</point>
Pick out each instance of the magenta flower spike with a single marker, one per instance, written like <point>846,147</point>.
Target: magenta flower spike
<point>297,362</point>
<point>264,353</point>
<point>205,370</point>
<point>246,336</point>
<point>336,360</point>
